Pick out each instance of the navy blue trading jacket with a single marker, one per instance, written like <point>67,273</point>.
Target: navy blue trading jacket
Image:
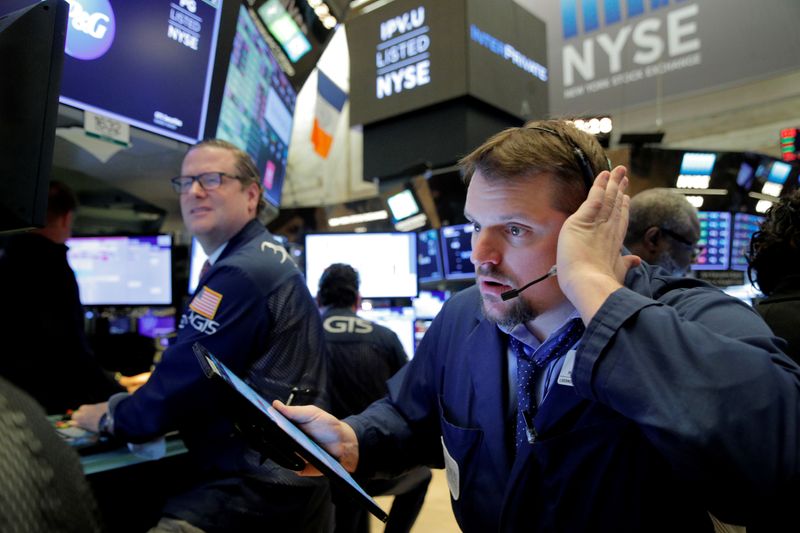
<point>253,311</point>
<point>681,404</point>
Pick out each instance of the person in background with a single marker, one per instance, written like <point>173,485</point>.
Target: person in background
<point>663,230</point>
<point>774,268</point>
<point>606,397</point>
<point>47,353</point>
<point>253,311</point>
<point>362,356</point>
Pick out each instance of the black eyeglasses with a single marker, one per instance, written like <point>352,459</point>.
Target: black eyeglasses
<point>697,249</point>
<point>207,180</point>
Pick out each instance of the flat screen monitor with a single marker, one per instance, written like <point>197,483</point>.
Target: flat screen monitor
<point>147,63</point>
<point>398,319</point>
<point>715,236</point>
<point>156,326</point>
<point>429,303</point>
<point>196,259</point>
<point>31,55</point>
<point>421,326</point>
<point>257,106</point>
<point>284,29</point>
<point>744,225</point>
<point>698,163</point>
<point>744,177</point>
<point>779,172</point>
<point>402,205</point>
<point>457,248</point>
<point>695,171</point>
<point>386,262</point>
<point>122,270</point>
<point>429,256</point>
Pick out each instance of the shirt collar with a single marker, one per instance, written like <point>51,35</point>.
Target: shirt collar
<point>523,334</point>
<point>213,256</point>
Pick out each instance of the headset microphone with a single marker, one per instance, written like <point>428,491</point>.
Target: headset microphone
<point>513,293</point>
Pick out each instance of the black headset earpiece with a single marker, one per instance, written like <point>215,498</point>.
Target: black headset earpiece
<point>587,172</point>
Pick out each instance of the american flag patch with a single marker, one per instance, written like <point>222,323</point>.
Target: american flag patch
<point>206,303</point>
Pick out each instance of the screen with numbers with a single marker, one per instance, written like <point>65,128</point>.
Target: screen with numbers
<point>715,236</point>
<point>258,106</point>
<point>457,248</point>
<point>744,225</point>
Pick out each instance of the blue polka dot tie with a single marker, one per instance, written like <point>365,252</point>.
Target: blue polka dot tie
<point>528,363</point>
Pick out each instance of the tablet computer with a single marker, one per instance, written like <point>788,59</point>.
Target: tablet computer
<point>287,440</point>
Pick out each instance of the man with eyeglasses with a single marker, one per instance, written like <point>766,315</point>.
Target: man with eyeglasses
<point>663,230</point>
<point>253,311</point>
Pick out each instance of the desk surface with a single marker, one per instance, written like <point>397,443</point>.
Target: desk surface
<point>106,458</point>
<point>122,457</point>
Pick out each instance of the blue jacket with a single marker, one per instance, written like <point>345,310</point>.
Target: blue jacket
<point>681,404</point>
<point>253,311</point>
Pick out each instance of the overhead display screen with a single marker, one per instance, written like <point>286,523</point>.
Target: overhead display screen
<point>257,106</point>
<point>147,63</point>
<point>405,55</point>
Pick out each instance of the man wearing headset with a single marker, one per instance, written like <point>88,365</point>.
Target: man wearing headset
<point>604,397</point>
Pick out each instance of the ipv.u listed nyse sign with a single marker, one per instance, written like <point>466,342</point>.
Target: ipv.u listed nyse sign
<point>402,58</point>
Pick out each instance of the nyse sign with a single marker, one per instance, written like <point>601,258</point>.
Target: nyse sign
<point>641,49</point>
<point>402,58</point>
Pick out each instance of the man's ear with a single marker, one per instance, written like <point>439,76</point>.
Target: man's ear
<point>651,239</point>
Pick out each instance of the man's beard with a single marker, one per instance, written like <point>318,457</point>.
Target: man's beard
<point>517,311</point>
<point>666,261</point>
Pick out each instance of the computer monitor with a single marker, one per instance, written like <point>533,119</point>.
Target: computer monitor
<point>744,225</point>
<point>32,38</point>
<point>457,248</point>
<point>196,259</point>
<point>715,236</point>
<point>147,63</point>
<point>429,303</point>
<point>257,106</point>
<point>122,270</point>
<point>429,256</point>
<point>398,319</point>
<point>772,175</point>
<point>386,262</point>
<point>156,326</point>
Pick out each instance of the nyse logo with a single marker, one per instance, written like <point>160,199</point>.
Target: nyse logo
<point>650,39</point>
<point>347,324</point>
<point>199,322</point>
<point>402,59</point>
<point>91,28</point>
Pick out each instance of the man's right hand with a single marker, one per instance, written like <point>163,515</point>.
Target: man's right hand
<point>336,437</point>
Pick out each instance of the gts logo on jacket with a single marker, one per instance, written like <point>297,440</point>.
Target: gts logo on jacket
<point>199,322</point>
<point>347,324</point>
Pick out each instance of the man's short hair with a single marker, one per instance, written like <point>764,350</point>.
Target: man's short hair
<point>338,286</point>
<point>246,170</point>
<point>60,200</point>
<point>661,208</point>
<point>775,248</point>
<point>521,153</point>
